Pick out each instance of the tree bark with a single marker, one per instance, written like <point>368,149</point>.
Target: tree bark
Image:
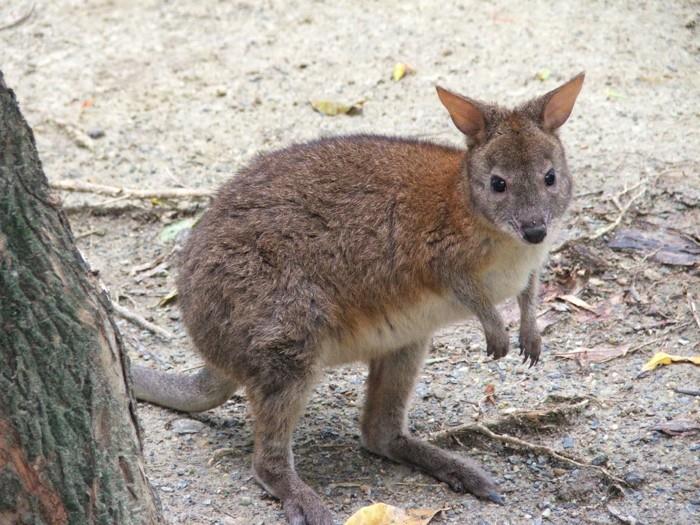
<point>70,450</point>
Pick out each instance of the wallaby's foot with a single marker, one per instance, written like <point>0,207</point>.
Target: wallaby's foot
<point>301,504</point>
<point>497,344</point>
<point>461,474</point>
<point>389,385</point>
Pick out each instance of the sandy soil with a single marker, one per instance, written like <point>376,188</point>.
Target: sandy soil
<point>185,92</point>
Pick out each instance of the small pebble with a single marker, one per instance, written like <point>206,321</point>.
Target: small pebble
<point>600,459</point>
<point>165,488</point>
<point>245,501</point>
<point>95,133</point>
<point>186,426</point>
<point>546,513</point>
<point>558,471</point>
<point>634,479</point>
<point>568,442</point>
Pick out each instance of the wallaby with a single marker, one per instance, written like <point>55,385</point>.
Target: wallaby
<point>358,248</point>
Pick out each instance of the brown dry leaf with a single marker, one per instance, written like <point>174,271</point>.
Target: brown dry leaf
<point>667,245</point>
<point>490,392</point>
<point>676,427</point>
<point>383,514</point>
<point>330,108</point>
<point>577,302</point>
<point>662,358</point>
<point>598,354</point>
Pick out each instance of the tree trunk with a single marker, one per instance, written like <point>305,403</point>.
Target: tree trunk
<point>70,450</point>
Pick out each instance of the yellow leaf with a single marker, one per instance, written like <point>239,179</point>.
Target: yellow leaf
<point>167,299</point>
<point>662,358</point>
<point>543,74</point>
<point>383,514</point>
<point>401,70</point>
<point>155,201</point>
<point>330,108</point>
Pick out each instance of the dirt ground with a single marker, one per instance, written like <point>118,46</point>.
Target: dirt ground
<point>184,93</point>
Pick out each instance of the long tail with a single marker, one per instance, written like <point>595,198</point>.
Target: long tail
<point>185,392</point>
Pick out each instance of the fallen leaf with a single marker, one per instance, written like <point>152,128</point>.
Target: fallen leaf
<point>676,427</point>
<point>597,354</point>
<point>662,358</point>
<point>401,70</point>
<point>490,392</point>
<point>613,94</point>
<point>543,74</point>
<point>666,245</point>
<point>383,514</point>
<point>171,297</point>
<point>578,302</point>
<point>170,232</point>
<point>330,108</point>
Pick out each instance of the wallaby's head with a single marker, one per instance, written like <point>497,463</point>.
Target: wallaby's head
<point>516,168</point>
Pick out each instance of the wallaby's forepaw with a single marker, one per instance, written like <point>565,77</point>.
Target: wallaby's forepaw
<point>306,508</point>
<point>497,346</point>
<point>530,346</point>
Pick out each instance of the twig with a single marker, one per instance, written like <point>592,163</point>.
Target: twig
<point>21,20</point>
<point>605,229</point>
<point>693,309</point>
<point>94,231</point>
<point>542,449</point>
<point>616,198</point>
<point>114,191</point>
<point>516,419</point>
<point>686,391</point>
<point>623,210</point>
<point>82,140</point>
<point>436,360</point>
<point>139,321</point>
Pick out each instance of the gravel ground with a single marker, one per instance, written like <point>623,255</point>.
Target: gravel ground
<point>184,93</point>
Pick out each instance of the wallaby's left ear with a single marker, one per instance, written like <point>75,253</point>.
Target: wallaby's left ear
<point>559,103</point>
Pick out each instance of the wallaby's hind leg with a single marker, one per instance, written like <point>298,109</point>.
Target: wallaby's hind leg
<point>276,409</point>
<point>384,425</point>
<point>186,392</point>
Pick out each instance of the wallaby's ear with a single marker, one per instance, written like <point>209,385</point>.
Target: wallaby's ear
<point>559,103</point>
<point>465,114</point>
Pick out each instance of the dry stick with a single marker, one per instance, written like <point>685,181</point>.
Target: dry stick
<point>505,438</point>
<point>693,309</point>
<point>606,229</point>
<point>510,418</point>
<point>139,321</point>
<point>610,227</point>
<point>22,19</point>
<point>114,191</point>
<point>542,449</point>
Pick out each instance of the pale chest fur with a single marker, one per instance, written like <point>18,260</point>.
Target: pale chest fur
<point>512,265</point>
<point>505,278</point>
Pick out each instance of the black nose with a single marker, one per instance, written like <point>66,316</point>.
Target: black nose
<point>535,234</point>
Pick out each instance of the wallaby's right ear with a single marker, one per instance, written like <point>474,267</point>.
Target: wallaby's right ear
<point>465,114</point>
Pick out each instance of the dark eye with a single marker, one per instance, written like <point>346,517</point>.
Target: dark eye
<point>550,177</point>
<point>498,184</point>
